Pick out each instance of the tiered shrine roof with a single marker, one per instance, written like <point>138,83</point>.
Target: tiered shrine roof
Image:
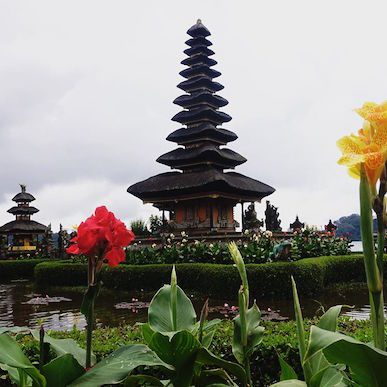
<point>202,159</point>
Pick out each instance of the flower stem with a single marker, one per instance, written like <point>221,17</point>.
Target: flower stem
<point>373,264</point>
<point>89,333</point>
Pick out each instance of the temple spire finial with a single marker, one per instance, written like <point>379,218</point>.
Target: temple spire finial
<point>199,21</point>
<point>23,187</point>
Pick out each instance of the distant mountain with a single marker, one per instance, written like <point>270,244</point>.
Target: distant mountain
<point>349,226</point>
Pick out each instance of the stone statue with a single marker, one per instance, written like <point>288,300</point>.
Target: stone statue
<point>250,219</point>
<point>272,222</point>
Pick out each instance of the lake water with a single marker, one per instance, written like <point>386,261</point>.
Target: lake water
<point>23,305</point>
<point>356,247</point>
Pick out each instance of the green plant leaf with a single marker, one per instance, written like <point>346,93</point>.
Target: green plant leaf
<point>205,357</point>
<point>299,321</point>
<point>147,332</point>
<point>177,350</point>
<point>63,346</point>
<point>368,365</point>
<point>17,375</point>
<point>160,316</point>
<point>290,383</point>
<point>254,334</point>
<point>139,380</point>
<point>216,377</point>
<point>61,371</point>
<point>329,319</point>
<point>115,368</point>
<point>11,355</point>
<point>287,371</point>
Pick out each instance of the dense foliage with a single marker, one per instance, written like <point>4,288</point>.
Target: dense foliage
<point>255,248</point>
<point>279,338</point>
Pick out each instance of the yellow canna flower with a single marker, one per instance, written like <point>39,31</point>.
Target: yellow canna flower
<point>369,146</point>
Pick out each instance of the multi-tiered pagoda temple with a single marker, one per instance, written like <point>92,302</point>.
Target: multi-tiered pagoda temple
<point>202,196</point>
<point>22,233</point>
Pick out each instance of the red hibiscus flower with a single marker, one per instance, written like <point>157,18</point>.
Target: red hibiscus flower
<point>102,236</point>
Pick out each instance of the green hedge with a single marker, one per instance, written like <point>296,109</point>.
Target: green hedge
<point>266,280</point>
<point>17,269</point>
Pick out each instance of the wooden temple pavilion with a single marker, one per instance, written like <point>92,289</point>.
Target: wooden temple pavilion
<point>22,233</point>
<point>201,196</point>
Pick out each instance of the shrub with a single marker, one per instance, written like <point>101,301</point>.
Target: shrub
<point>139,227</point>
<point>266,280</point>
<point>254,247</point>
<point>16,269</point>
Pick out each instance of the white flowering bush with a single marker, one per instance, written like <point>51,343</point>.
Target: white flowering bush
<point>256,247</point>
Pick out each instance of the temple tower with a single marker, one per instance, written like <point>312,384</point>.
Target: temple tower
<point>22,233</point>
<point>200,196</point>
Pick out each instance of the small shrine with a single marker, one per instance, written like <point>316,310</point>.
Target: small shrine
<point>199,194</point>
<point>330,227</point>
<point>297,225</point>
<point>22,234</point>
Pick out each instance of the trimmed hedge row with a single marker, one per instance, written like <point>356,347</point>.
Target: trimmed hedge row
<point>16,269</point>
<point>266,280</point>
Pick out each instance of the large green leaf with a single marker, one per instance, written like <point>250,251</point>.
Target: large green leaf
<point>315,361</point>
<point>61,371</point>
<point>17,375</point>
<point>177,350</point>
<point>290,383</point>
<point>368,365</point>
<point>115,368</point>
<point>329,319</point>
<point>287,371</point>
<point>11,355</point>
<point>217,377</point>
<point>161,314</point>
<point>205,357</point>
<point>63,346</point>
<point>139,380</point>
<point>254,334</point>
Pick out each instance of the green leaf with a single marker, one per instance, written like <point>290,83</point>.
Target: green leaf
<point>299,321</point>
<point>290,383</point>
<point>115,368</point>
<point>63,346</point>
<point>139,380</point>
<point>177,350</point>
<point>89,297</point>
<point>329,319</point>
<point>161,317</point>
<point>287,371</point>
<point>254,334</point>
<point>205,357</point>
<point>333,377</point>
<point>147,332</point>
<point>17,375</point>
<point>217,377</point>
<point>368,365</point>
<point>11,355</point>
<point>61,371</point>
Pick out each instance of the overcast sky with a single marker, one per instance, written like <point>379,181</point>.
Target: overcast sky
<point>86,91</point>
